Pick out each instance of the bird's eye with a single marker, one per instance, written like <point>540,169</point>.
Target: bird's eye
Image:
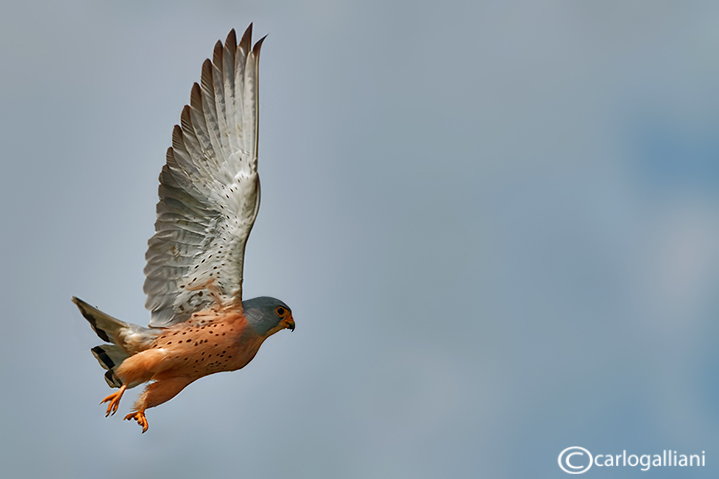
<point>280,311</point>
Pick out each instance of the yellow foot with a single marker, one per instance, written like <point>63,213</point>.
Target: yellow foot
<point>138,416</point>
<point>114,400</point>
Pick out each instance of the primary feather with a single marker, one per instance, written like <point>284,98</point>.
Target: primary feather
<point>209,190</point>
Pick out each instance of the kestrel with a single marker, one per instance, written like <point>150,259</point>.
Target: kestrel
<point>209,197</point>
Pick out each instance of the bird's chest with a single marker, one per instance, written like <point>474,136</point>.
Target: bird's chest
<point>198,348</point>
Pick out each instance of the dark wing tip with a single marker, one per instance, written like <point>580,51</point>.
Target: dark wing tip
<point>217,55</point>
<point>231,40</point>
<point>176,136</point>
<point>196,97</point>
<point>186,118</point>
<point>169,159</point>
<point>246,39</point>
<point>206,77</point>
<point>258,45</point>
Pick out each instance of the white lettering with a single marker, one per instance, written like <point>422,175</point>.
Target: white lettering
<point>667,458</point>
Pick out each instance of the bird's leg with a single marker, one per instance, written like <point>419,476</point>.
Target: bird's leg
<point>138,416</point>
<point>114,400</point>
<point>155,394</point>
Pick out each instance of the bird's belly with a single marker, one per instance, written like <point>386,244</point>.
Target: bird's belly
<point>196,349</point>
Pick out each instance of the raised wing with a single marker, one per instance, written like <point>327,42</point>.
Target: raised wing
<point>209,190</point>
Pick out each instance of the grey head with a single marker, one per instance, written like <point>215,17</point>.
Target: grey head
<point>268,315</point>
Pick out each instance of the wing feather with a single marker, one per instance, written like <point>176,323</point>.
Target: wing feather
<point>209,190</point>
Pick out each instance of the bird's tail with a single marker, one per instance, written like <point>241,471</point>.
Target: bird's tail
<point>127,339</point>
<point>104,325</point>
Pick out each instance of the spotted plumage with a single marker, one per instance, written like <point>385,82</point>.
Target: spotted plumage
<point>209,197</point>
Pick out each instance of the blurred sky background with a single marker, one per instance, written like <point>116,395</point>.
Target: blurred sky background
<point>497,224</point>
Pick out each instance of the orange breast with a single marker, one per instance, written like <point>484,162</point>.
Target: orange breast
<point>209,342</point>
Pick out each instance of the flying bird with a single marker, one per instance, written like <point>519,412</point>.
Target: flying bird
<point>209,197</point>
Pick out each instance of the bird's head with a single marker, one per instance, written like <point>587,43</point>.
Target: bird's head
<point>268,315</point>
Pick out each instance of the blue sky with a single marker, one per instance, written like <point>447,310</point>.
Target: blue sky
<point>497,225</point>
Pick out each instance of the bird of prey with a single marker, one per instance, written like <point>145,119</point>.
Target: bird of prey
<point>209,197</point>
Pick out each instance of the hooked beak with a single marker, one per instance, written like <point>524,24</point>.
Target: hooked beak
<point>289,323</point>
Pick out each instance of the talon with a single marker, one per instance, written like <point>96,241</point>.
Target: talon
<point>138,416</point>
<point>114,400</point>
